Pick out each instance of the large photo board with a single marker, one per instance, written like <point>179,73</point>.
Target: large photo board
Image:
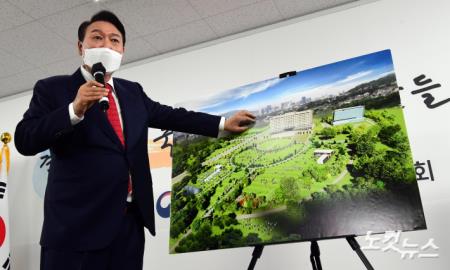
<point>329,156</point>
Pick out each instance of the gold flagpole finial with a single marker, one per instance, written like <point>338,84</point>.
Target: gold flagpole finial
<point>5,138</point>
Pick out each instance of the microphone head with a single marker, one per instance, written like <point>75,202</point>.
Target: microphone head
<point>98,67</point>
<point>98,71</point>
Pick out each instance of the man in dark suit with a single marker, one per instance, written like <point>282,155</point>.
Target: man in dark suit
<point>99,193</point>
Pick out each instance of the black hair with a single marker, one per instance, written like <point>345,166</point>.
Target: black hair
<point>106,16</point>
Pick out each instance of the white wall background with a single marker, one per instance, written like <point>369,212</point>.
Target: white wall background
<point>416,31</point>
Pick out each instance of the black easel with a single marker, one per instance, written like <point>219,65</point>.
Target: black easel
<point>315,254</point>
<point>355,246</point>
<point>257,251</point>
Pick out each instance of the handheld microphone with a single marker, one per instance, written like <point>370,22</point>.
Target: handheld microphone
<point>98,71</point>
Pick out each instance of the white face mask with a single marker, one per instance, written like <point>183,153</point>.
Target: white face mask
<point>109,58</point>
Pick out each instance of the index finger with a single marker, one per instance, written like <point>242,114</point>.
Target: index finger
<point>249,114</point>
<point>242,128</point>
<point>94,83</point>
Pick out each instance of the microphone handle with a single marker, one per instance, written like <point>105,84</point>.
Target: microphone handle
<point>104,101</point>
<point>104,104</point>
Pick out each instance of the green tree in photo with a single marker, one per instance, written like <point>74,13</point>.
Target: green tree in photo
<point>231,238</point>
<point>307,183</point>
<point>397,168</point>
<point>387,134</point>
<point>319,196</point>
<point>289,189</point>
<point>328,133</point>
<point>196,224</point>
<point>316,142</point>
<point>252,238</point>
<point>193,164</point>
<point>364,141</point>
<point>202,240</point>
<point>218,221</point>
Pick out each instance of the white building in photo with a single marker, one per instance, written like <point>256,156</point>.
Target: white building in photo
<point>348,115</point>
<point>323,155</point>
<point>292,121</point>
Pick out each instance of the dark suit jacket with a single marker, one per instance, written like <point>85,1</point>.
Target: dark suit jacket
<point>86,192</point>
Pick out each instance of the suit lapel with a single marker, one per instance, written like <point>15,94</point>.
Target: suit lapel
<point>76,81</point>
<point>105,125</point>
<point>123,99</point>
<point>94,115</point>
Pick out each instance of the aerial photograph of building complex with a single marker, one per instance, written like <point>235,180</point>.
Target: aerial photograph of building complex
<point>328,156</point>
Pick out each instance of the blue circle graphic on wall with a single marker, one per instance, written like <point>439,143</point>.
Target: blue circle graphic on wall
<point>40,173</point>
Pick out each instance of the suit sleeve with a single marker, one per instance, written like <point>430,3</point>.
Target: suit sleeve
<point>43,124</point>
<point>179,119</point>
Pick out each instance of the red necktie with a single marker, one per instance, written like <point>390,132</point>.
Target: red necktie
<point>113,117</point>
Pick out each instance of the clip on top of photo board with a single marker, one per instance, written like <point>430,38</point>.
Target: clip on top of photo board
<point>287,74</point>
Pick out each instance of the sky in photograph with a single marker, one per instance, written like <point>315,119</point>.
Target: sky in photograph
<point>331,79</point>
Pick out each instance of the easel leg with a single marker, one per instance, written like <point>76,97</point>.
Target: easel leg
<point>257,251</point>
<point>355,246</point>
<point>315,256</point>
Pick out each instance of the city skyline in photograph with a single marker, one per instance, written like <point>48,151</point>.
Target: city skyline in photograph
<point>327,80</point>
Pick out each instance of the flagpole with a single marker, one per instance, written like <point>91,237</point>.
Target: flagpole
<point>5,262</point>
